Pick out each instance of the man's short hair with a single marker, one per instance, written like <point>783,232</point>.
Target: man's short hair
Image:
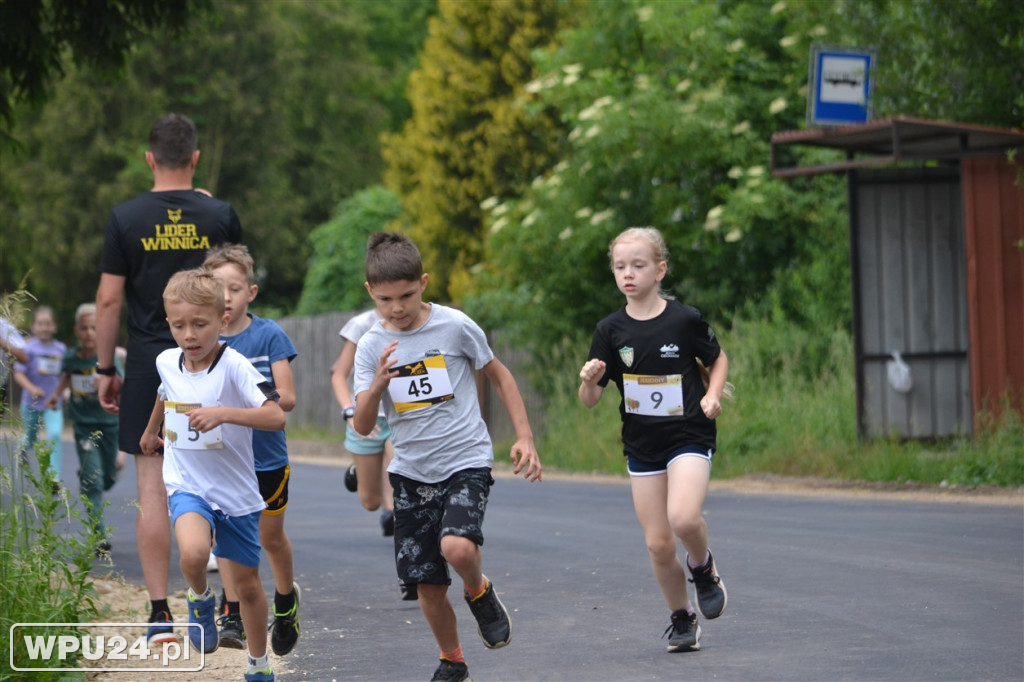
<point>231,254</point>
<point>173,140</point>
<point>392,257</point>
<point>196,286</point>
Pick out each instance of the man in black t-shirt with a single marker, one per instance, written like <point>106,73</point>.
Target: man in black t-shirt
<point>148,239</point>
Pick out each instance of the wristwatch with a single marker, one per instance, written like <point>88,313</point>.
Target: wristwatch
<point>106,371</point>
<point>348,412</point>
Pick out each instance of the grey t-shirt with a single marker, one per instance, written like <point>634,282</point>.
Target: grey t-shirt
<point>432,406</point>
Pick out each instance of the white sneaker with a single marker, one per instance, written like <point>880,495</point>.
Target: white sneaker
<point>211,564</point>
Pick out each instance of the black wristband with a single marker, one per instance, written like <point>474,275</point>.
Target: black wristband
<point>106,371</point>
<point>348,412</point>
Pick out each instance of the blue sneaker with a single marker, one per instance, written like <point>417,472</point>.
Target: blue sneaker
<point>203,611</point>
<point>160,631</point>
<point>261,675</point>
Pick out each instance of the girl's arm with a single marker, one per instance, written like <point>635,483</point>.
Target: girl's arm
<point>22,380</point>
<point>711,403</point>
<point>590,392</point>
<point>284,382</point>
<point>524,453</point>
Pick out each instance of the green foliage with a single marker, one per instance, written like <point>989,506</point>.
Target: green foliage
<point>469,137</point>
<point>37,38</point>
<point>334,279</point>
<point>670,107</point>
<point>289,99</point>
<point>46,546</point>
<point>944,59</point>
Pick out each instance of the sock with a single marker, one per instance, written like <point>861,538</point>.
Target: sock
<point>701,565</point>
<point>158,606</point>
<point>475,593</point>
<point>207,593</point>
<point>283,603</point>
<point>454,656</point>
<point>259,663</point>
<point>233,607</point>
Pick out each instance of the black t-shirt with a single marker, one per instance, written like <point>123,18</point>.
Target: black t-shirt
<point>148,239</point>
<point>652,362</point>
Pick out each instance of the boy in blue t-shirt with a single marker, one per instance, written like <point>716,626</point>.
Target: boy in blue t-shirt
<point>269,349</point>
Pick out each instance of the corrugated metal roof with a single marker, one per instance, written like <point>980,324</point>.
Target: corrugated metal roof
<point>896,139</point>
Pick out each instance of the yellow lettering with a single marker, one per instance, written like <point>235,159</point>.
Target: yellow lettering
<point>186,242</point>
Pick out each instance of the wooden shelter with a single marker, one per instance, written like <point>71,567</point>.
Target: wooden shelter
<point>937,255</point>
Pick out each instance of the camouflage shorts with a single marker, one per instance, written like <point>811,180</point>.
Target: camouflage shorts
<point>426,512</point>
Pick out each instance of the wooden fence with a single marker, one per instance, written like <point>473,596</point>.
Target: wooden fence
<point>317,340</point>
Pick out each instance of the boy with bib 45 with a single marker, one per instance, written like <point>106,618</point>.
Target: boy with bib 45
<point>210,399</point>
<point>420,361</point>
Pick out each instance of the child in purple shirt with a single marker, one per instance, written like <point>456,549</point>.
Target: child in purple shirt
<point>39,378</point>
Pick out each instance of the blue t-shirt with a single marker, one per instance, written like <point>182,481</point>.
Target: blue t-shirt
<point>264,342</point>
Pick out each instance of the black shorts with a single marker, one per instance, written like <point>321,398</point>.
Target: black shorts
<point>138,396</point>
<point>274,489</point>
<point>426,512</point>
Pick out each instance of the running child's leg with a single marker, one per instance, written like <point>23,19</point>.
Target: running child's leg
<point>650,501</point>
<point>253,603</point>
<point>688,478</point>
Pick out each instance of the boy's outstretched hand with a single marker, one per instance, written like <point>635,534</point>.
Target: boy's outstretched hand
<point>526,460</point>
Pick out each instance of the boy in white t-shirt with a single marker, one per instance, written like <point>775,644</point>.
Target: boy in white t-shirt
<point>210,399</point>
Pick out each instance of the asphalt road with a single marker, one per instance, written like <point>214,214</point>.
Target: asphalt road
<point>820,588</point>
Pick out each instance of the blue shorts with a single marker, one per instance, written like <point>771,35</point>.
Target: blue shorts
<point>367,445</point>
<point>636,467</point>
<point>238,537</point>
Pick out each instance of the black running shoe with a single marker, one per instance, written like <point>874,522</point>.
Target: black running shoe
<point>232,632</point>
<point>684,632</point>
<point>451,672</point>
<point>409,591</point>
<point>284,631</point>
<point>351,482</point>
<point>491,618</point>
<point>387,523</point>
<point>711,594</point>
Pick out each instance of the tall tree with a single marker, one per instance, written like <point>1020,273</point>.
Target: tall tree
<point>469,136</point>
<point>38,36</point>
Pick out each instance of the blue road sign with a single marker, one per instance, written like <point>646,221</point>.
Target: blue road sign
<point>840,86</point>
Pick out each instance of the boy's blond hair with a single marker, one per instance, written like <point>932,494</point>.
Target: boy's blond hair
<point>198,287</point>
<point>83,310</point>
<point>232,254</point>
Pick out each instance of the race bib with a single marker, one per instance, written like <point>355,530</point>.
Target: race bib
<point>83,384</point>
<point>48,365</point>
<point>654,396</point>
<point>180,434</point>
<point>421,384</point>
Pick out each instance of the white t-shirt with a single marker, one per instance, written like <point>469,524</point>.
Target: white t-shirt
<point>353,331</point>
<point>12,338</point>
<point>217,465</point>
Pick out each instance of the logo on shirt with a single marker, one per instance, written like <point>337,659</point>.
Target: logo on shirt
<point>174,216</point>
<point>670,350</point>
<point>626,353</point>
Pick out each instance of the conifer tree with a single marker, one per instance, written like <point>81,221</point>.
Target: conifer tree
<point>470,137</point>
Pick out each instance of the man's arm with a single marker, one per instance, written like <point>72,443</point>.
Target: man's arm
<point>109,299</point>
